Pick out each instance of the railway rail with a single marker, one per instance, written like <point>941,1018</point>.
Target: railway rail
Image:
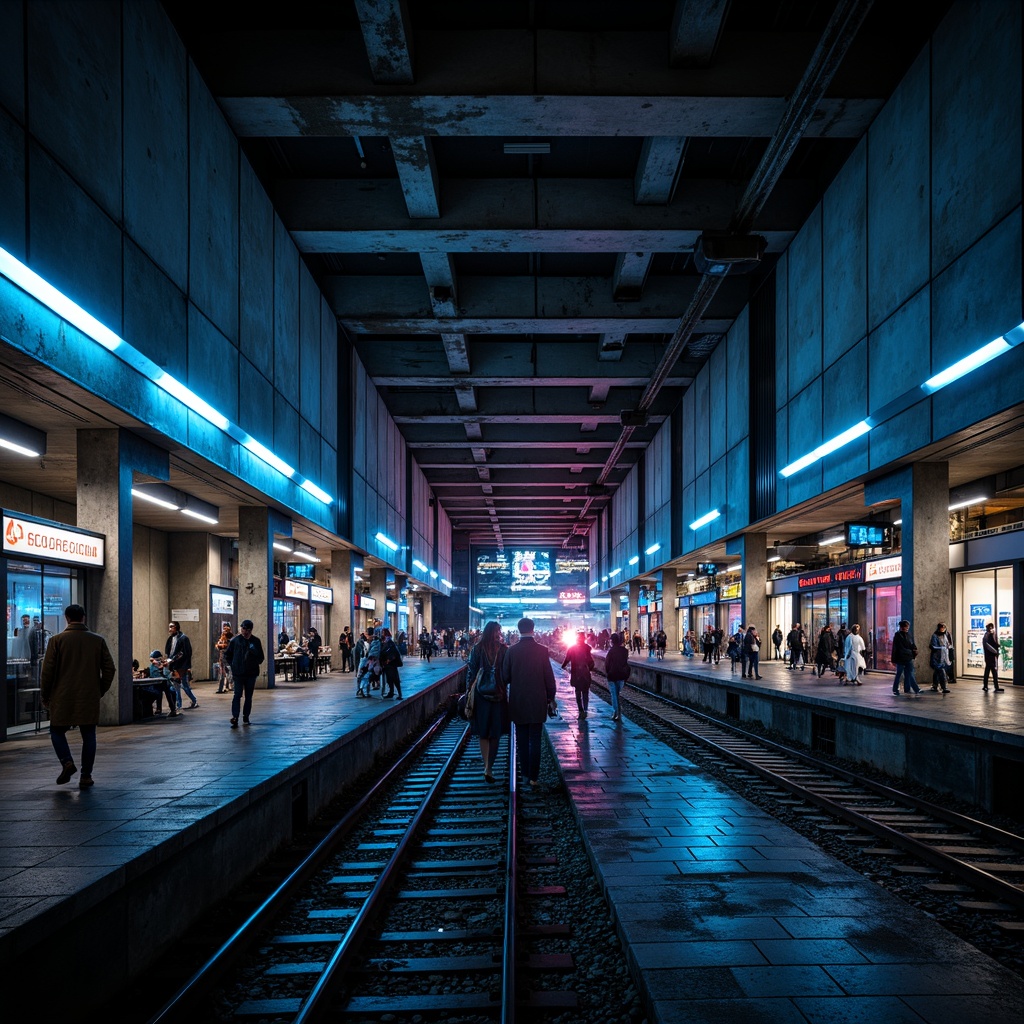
<point>980,856</point>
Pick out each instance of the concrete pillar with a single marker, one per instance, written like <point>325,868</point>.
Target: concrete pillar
<point>401,583</point>
<point>106,459</point>
<point>634,605</point>
<point>428,610</point>
<point>257,525</point>
<point>669,612</point>
<point>344,565</point>
<point>188,581</point>
<point>614,603</point>
<point>379,593</point>
<point>923,493</point>
<point>752,548</point>
<point>410,615</point>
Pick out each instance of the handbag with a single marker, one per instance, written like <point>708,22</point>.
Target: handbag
<point>486,682</point>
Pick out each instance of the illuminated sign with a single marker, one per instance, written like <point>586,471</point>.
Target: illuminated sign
<point>572,596</point>
<point>884,568</point>
<point>364,601</point>
<point>732,591</point>
<point>322,595</point>
<point>299,590</point>
<point>840,577</point>
<point>31,538</point>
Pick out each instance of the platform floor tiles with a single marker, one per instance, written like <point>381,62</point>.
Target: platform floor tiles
<point>727,915</point>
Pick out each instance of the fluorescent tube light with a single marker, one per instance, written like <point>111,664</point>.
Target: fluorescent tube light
<point>202,517</point>
<point>264,453</point>
<point>857,430</point>
<point>897,522</point>
<point>387,542</point>
<point>11,446</point>
<point>155,500</point>
<point>964,366</point>
<point>283,547</point>
<point>708,517</point>
<point>652,549</point>
<point>593,585</point>
<point>775,558</point>
<point>977,500</point>
<point>614,572</point>
<point>735,568</point>
<point>188,397</point>
<point>433,575</point>
<point>446,583</point>
<point>634,560</point>
<point>419,565</point>
<point>839,538</point>
<point>317,492</point>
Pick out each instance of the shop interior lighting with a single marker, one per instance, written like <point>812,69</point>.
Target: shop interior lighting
<point>31,283</point>
<point>838,539</point>
<point>387,542</point>
<point>857,430</point>
<point>775,558</point>
<point>652,549</point>
<point>708,517</point>
<point>976,500</point>
<point>419,565</point>
<point>897,522</point>
<point>634,560</point>
<point>19,437</point>
<point>735,568</point>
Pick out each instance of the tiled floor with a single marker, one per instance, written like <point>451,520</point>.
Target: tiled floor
<point>730,916</point>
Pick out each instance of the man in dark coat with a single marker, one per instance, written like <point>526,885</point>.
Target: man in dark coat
<point>244,655</point>
<point>77,671</point>
<point>530,680</point>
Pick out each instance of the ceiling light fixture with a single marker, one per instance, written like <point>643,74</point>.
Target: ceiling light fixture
<point>708,517</point>
<point>977,500</point>
<point>19,437</point>
<point>652,549</point>
<point>857,430</point>
<point>386,541</point>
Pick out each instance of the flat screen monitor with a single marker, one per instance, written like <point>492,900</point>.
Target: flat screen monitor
<point>706,568</point>
<point>868,535</point>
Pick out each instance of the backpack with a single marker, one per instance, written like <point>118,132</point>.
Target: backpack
<point>486,682</point>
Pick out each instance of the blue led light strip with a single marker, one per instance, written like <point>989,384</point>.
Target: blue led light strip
<point>31,283</point>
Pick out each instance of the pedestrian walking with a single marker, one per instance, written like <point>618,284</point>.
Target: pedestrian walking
<point>244,655</point>
<point>530,680</point>
<point>853,656</point>
<point>990,650</point>
<point>77,671</point>
<point>777,639</point>
<point>616,670</point>
<point>178,651</point>
<point>581,661</point>
<point>752,646</point>
<point>904,651</point>
<point>941,649</point>
<point>390,661</point>
<point>489,721</point>
<point>795,643</point>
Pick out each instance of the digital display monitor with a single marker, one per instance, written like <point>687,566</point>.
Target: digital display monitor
<point>531,573</point>
<point>868,535</point>
<point>707,568</point>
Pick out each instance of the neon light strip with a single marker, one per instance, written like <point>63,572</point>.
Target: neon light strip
<point>708,517</point>
<point>857,430</point>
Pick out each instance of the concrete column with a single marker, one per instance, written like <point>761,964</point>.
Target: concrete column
<point>401,583</point>
<point>344,565</point>
<point>379,593</point>
<point>428,611</point>
<point>410,614</point>
<point>188,576</point>
<point>614,603</point>
<point>669,612</point>
<point>634,605</point>
<point>752,549</point>
<point>106,459</point>
<point>923,493</point>
<point>257,525</point>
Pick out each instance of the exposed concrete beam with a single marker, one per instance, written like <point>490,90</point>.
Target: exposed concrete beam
<point>696,29</point>
<point>387,36</point>
<point>516,215</point>
<point>598,393</point>
<point>417,172</point>
<point>599,390</point>
<point>631,270</point>
<point>661,160</point>
<point>466,396</point>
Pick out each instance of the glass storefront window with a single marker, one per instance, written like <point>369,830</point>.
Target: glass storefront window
<point>982,597</point>
<point>886,623</point>
<point>287,616</point>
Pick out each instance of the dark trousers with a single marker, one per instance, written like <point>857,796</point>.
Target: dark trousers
<point>528,737</point>
<point>59,739</point>
<point>244,686</point>
<point>990,666</point>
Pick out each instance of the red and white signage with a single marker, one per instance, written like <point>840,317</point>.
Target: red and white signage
<point>298,590</point>
<point>884,568</point>
<point>27,538</point>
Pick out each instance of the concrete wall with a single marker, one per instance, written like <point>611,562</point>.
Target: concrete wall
<point>150,589</point>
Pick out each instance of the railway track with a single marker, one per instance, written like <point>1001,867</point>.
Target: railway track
<point>427,880</point>
<point>883,821</point>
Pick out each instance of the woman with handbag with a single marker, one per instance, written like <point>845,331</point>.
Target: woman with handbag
<point>580,662</point>
<point>488,717</point>
<point>940,658</point>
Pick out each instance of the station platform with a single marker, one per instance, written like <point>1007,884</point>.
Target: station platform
<point>99,880</point>
<point>728,915</point>
<point>976,736</point>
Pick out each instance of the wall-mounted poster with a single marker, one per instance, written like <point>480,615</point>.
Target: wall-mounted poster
<point>980,615</point>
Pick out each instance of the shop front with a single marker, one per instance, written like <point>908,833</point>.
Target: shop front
<point>43,569</point>
<point>291,608</point>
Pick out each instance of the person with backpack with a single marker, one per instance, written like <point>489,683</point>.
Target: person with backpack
<point>390,661</point>
<point>616,670</point>
<point>489,720</point>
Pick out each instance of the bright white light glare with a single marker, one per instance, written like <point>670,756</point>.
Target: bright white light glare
<point>652,549</point>
<point>264,453</point>
<point>499,600</point>
<point>857,430</point>
<point>305,556</point>
<point>634,560</point>
<point>708,517</point>
<point>321,495</point>
<point>600,600</point>
<point>387,542</point>
<point>735,568</point>
<point>775,558</point>
<point>614,572</point>
<point>156,501</point>
<point>446,583</point>
<point>964,366</point>
<point>419,565</point>
<point>691,574</point>
<point>897,522</point>
<point>188,397</point>
<point>282,547</point>
<point>977,500</point>
<point>543,600</point>
<point>604,579</point>
<point>839,538</point>
<point>433,575</point>
<point>31,282</point>
<point>593,585</point>
<point>200,516</point>
<point>11,446</point>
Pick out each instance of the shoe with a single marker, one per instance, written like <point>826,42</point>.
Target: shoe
<point>245,721</point>
<point>488,776</point>
<point>85,782</point>
<point>616,716</point>
<point>984,687</point>
<point>66,772</point>
<point>194,704</point>
<point>234,723</point>
<point>220,691</point>
<point>858,683</point>
<point>895,693</point>
<point>173,714</point>
<point>999,689</point>
<point>583,714</point>
<point>757,677</point>
<point>944,692</point>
